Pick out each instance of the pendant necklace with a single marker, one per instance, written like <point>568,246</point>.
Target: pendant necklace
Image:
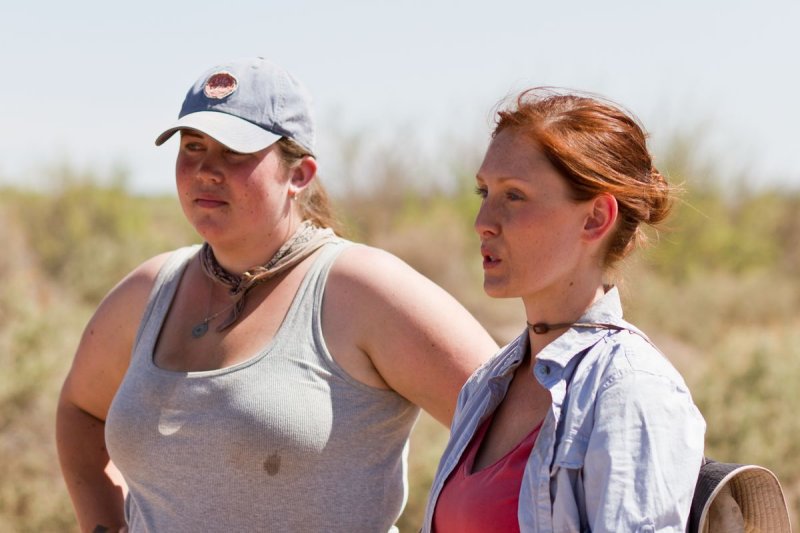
<point>201,328</point>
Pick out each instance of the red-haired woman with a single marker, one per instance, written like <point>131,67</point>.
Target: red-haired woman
<point>580,424</point>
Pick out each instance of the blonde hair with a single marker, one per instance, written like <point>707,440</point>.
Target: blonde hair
<point>313,202</point>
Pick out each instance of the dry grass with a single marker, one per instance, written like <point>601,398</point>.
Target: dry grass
<point>727,316</point>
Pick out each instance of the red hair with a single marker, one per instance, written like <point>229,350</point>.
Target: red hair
<point>597,147</point>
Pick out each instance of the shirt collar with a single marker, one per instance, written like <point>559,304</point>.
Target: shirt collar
<point>606,310</point>
<point>512,354</point>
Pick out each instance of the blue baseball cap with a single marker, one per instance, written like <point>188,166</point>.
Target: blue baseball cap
<point>247,105</point>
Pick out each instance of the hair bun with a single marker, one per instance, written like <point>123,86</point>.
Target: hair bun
<point>660,197</point>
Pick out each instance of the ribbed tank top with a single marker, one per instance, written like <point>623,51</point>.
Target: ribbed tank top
<point>284,441</point>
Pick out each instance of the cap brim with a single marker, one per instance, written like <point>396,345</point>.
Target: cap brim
<point>237,134</point>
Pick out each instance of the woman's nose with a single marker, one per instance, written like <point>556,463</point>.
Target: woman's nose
<point>209,168</point>
<point>485,220</point>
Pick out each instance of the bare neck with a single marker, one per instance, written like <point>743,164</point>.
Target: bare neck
<point>561,304</point>
<point>257,249</point>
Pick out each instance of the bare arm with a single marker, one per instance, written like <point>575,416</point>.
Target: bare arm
<point>102,357</point>
<point>417,339</point>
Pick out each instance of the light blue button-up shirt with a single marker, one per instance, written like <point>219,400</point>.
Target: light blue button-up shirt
<point>621,446</point>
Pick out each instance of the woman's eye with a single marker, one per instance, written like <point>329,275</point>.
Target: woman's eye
<point>513,195</point>
<point>192,147</point>
<point>236,156</point>
<point>481,191</point>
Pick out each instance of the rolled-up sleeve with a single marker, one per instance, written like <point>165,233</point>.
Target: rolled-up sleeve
<point>643,454</point>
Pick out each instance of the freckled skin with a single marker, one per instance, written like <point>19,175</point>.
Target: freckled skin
<point>224,194</point>
<point>527,221</point>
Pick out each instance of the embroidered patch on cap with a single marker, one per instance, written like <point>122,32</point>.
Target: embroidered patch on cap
<point>220,85</point>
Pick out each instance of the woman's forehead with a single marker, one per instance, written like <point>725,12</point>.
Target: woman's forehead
<point>513,154</point>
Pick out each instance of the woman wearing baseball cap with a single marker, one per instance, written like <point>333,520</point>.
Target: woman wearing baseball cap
<point>268,379</point>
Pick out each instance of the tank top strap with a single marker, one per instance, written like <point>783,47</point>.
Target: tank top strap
<point>303,316</point>
<point>161,296</point>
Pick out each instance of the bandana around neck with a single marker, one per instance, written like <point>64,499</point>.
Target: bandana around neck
<point>305,241</point>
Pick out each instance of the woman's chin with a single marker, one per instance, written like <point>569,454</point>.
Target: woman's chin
<point>496,290</point>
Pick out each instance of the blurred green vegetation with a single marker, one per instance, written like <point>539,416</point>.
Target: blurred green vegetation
<point>719,292</point>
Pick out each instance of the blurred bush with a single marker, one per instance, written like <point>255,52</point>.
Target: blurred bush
<point>85,235</point>
<point>719,292</point>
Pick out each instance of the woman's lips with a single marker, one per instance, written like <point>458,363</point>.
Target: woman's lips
<point>489,261</point>
<point>209,202</point>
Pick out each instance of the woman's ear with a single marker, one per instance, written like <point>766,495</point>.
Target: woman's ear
<point>301,175</point>
<point>601,218</point>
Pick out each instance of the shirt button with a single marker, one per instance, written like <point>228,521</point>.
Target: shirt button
<point>543,370</point>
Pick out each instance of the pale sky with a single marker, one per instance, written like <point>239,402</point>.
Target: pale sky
<point>92,83</point>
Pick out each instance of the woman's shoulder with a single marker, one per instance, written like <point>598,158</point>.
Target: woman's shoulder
<point>142,278</point>
<point>128,298</point>
<point>631,353</point>
<point>377,284</point>
<point>630,372</point>
<point>103,353</point>
<point>367,271</point>
<point>367,263</point>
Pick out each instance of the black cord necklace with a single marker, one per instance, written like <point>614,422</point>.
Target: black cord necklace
<point>541,328</point>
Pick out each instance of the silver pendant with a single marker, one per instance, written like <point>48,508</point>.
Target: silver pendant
<point>199,330</point>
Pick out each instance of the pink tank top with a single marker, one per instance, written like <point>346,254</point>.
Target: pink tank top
<point>485,501</point>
